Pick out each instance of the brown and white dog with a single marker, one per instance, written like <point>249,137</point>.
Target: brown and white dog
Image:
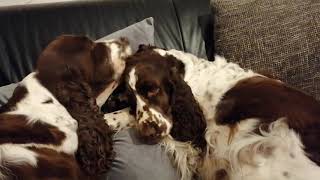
<point>40,122</point>
<point>257,127</point>
<point>161,103</point>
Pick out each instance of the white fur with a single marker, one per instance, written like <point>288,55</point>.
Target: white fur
<point>119,120</point>
<point>54,113</point>
<point>185,157</point>
<point>245,155</point>
<point>35,110</point>
<point>277,154</point>
<point>12,154</point>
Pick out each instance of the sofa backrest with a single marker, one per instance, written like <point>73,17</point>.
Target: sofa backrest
<point>26,30</point>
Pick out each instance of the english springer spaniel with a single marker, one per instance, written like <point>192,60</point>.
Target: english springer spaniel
<point>40,124</point>
<point>161,103</point>
<point>257,127</point>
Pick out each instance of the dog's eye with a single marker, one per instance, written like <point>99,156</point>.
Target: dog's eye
<point>153,92</point>
<point>150,90</point>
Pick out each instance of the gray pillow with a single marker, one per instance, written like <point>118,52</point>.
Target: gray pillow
<point>137,161</point>
<point>6,92</point>
<point>133,161</point>
<point>139,33</point>
<point>280,37</point>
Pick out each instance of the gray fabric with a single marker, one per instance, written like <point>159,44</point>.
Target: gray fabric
<point>138,161</point>
<point>134,160</point>
<point>281,37</point>
<point>6,92</point>
<point>138,33</point>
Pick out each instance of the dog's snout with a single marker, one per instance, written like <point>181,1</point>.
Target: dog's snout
<point>150,132</point>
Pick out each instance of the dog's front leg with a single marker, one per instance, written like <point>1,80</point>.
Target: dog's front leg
<point>119,120</point>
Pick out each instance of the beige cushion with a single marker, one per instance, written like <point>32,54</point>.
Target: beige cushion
<point>281,37</point>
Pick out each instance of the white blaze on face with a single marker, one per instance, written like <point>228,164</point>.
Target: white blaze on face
<point>145,113</point>
<point>117,61</point>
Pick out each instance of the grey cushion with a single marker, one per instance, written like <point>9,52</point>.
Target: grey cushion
<point>6,92</point>
<point>139,33</point>
<point>281,37</point>
<point>138,161</point>
<point>133,160</point>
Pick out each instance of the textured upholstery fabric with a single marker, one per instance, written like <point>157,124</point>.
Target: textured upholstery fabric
<point>281,37</point>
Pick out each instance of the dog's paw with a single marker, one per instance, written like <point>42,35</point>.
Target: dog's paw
<point>119,120</point>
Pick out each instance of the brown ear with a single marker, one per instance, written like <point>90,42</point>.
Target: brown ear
<point>144,47</point>
<point>176,66</point>
<point>186,114</point>
<point>68,72</point>
<point>100,52</point>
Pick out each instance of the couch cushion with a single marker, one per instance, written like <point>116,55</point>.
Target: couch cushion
<point>138,33</point>
<point>138,161</point>
<point>281,37</point>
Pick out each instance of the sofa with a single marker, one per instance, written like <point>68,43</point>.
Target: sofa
<point>178,24</point>
<point>278,38</point>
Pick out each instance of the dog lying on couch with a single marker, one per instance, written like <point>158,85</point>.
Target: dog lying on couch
<point>57,105</point>
<point>257,127</point>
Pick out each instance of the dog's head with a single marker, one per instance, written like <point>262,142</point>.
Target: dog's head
<point>150,80</point>
<point>72,59</point>
<point>162,100</point>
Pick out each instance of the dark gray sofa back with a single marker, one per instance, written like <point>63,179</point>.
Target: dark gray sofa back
<point>25,30</point>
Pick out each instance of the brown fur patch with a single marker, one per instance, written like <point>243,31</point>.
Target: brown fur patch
<point>51,165</point>
<point>14,129</point>
<point>269,99</point>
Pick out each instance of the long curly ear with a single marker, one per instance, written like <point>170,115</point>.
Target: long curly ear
<point>188,120</point>
<point>176,66</point>
<point>95,152</point>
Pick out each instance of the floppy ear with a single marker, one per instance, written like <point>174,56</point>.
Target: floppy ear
<point>188,120</point>
<point>100,53</point>
<point>176,66</point>
<point>72,89</point>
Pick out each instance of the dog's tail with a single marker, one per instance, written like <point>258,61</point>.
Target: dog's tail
<point>14,155</point>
